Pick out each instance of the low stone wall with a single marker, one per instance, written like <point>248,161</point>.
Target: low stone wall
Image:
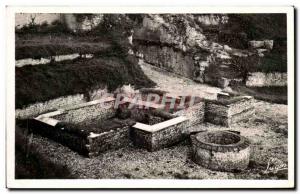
<point>36,109</point>
<point>90,145</point>
<point>87,143</point>
<point>194,114</point>
<point>226,114</point>
<point>87,111</point>
<point>260,79</point>
<point>158,136</point>
<point>50,129</point>
<point>110,140</point>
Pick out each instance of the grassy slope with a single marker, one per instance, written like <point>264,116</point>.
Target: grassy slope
<point>111,65</point>
<point>45,82</point>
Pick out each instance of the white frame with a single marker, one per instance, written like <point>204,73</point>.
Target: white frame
<point>11,182</point>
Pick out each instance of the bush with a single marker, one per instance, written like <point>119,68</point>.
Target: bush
<point>56,27</point>
<point>244,65</point>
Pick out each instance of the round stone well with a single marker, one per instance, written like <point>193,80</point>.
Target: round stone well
<point>221,150</point>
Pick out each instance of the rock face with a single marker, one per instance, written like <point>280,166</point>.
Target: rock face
<point>177,43</point>
<point>189,44</point>
<point>169,59</point>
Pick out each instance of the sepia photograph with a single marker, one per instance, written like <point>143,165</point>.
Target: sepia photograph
<point>150,98</point>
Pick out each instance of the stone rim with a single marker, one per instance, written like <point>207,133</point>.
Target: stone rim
<point>241,144</point>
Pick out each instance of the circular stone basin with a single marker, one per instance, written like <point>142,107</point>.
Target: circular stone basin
<point>221,150</point>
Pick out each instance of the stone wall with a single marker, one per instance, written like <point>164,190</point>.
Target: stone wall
<point>167,58</point>
<point>194,114</point>
<point>87,143</point>
<point>110,140</point>
<point>72,140</point>
<point>36,109</point>
<point>168,136</point>
<point>81,113</point>
<point>156,137</point>
<point>227,114</point>
<point>260,79</point>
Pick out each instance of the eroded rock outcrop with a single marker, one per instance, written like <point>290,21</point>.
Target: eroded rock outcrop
<point>177,43</point>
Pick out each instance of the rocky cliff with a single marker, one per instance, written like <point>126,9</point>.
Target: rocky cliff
<point>210,47</point>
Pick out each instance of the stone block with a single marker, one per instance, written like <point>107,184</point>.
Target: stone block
<point>160,135</point>
<point>194,114</point>
<point>226,112</point>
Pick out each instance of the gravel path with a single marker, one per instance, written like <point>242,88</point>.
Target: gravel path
<point>178,85</point>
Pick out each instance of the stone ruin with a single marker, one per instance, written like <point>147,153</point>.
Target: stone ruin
<point>91,128</point>
<point>228,109</point>
<point>221,150</point>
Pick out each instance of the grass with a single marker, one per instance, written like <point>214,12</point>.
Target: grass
<point>269,94</point>
<point>45,82</point>
<point>47,45</point>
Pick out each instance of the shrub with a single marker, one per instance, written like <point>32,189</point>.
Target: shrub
<point>244,65</point>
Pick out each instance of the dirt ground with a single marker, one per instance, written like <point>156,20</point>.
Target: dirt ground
<point>176,84</point>
<point>267,131</point>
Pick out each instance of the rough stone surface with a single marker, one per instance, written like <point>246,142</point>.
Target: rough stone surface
<point>91,112</point>
<point>194,114</point>
<point>153,141</point>
<point>222,150</point>
<point>85,144</point>
<point>229,113</point>
<point>169,59</point>
<point>268,44</point>
<point>110,140</point>
<point>38,108</point>
<point>259,79</point>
